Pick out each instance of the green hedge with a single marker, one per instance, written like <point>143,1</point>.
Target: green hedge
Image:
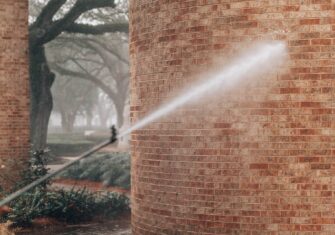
<point>70,206</point>
<point>113,169</point>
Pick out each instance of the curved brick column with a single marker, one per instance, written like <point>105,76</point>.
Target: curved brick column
<point>14,87</point>
<point>260,161</point>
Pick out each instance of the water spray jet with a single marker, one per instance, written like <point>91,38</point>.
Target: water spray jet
<point>268,55</point>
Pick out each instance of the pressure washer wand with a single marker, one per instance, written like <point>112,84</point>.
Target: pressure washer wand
<point>30,186</point>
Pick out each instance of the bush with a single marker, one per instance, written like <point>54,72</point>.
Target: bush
<point>71,206</point>
<point>111,169</point>
<point>66,205</point>
<point>37,168</point>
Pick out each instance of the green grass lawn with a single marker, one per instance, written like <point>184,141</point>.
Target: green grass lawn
<point>72,144</point>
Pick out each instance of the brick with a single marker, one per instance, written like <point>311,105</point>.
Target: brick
<point>258,166</point>
<point>14,90</point>
<point>309,21</point>
<point>320,166</point>
<point>255,159</point>
<point>321,41</point>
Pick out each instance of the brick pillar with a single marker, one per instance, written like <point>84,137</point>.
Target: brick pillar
<point>259,159</point>
<point>14,102</point>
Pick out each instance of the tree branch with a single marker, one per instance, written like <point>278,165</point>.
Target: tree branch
<point>87,77</point>
<point>80,7</point>
<point>102,48</point>
<point>97,29</point>
<point>49,11</point>
<point>94,45</point>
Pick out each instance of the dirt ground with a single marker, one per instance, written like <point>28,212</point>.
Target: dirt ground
<point>117,226</point>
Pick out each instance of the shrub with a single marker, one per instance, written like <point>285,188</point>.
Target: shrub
<point>37,168</point>
<point>70,206</point>
<point>111,169</point>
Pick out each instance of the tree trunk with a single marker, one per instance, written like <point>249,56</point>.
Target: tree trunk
<point>103,112</point>
<point>41,80</point>
<point>89,119</point>
<point>119,106</point>
<point>120,103</point>
<point>103,120</point>
<point>68,120</point>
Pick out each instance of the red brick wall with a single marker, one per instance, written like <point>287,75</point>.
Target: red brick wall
<point>14,104</point>
<point>256,160</point>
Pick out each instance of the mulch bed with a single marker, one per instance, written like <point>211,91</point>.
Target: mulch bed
<point>47,226</point>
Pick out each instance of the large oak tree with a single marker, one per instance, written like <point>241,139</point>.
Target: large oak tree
<point>90,59</point>
<point>47,26</point>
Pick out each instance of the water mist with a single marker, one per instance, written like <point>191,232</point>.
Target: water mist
<point>255,61</point>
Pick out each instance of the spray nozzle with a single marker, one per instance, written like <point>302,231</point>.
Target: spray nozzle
<point>113,134</point>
